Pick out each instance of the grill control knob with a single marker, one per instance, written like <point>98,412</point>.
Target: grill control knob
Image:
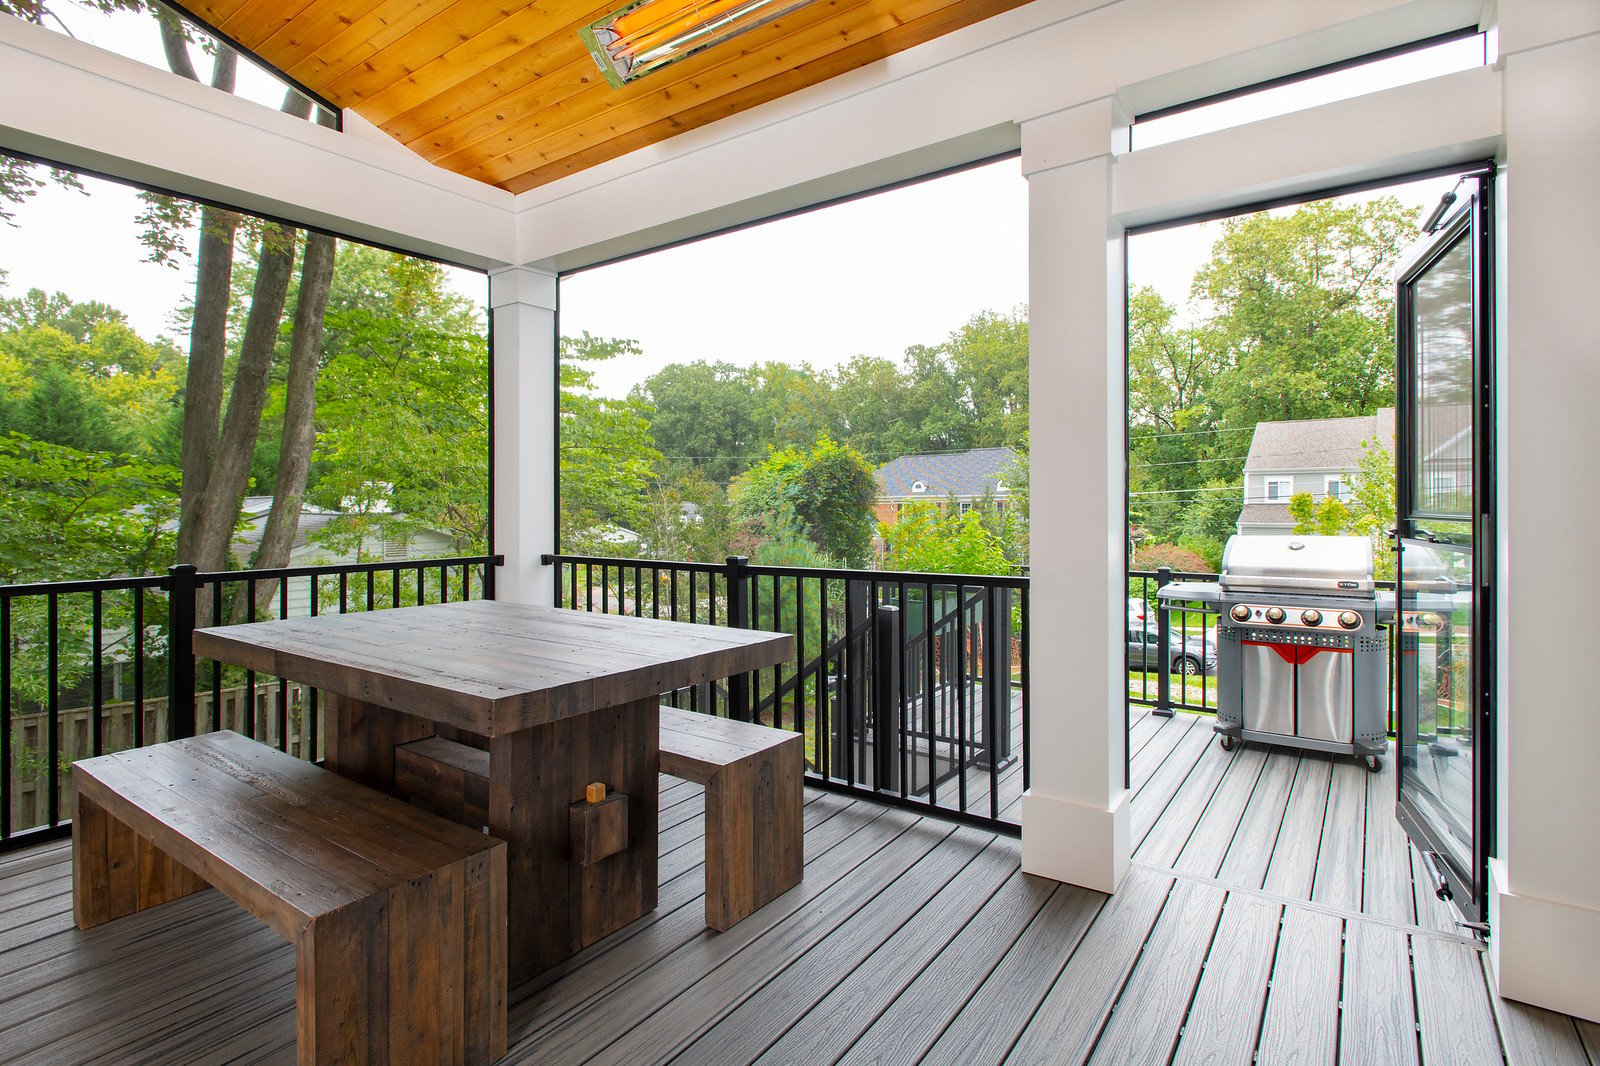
<point>1275,615</point>
<point>1311,617</point>
<point>1240,612</point>
<point>1349,619</point>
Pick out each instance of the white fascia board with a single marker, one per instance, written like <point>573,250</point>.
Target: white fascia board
<point>1450,120</point>
<point>71,103</point>
<point>955,99</point>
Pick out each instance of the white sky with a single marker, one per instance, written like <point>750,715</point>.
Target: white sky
<point>872,276</point>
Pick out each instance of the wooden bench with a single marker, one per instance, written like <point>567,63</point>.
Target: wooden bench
<point>754,778</point>
<point>397,916</point>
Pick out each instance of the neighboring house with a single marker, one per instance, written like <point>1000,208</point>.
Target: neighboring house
<point>418,544</point>
<point>966,477</point>
<point>1314,455</point>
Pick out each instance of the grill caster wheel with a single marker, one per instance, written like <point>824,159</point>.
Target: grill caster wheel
<point>1228,743</point>
<point>1374,763</point>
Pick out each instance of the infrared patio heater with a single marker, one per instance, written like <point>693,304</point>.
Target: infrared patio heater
<point>647,35</point>
<point>1302,652</point>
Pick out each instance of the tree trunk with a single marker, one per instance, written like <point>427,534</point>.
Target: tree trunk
<point>208,329</point>
<point>230,472</point>
<point>299,412</point>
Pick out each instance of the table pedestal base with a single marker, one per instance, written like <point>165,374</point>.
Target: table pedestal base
<point>554,906</point>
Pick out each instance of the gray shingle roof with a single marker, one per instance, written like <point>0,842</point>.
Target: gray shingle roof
<point>1269,514</point>
<point>1317,443</point>
<point>968,474</point>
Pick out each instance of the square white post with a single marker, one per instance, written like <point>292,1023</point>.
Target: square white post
<point>522,301</point>
<point>1075,814</point>
<point>1544,891</point>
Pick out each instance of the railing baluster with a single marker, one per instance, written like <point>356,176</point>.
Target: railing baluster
<point>138,667</point>
<point>1026,689</point>
<point>216,666</point>
<point>5,716</point>
<point>250,675</point>
<point>309,728</point>
<point>53,706</point>
<point>961,694</point>
<point>97,740</point>
<point>283,684</point>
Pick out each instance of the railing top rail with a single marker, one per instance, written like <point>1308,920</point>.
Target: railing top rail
<point>1187,575</point>
<point>1013,581</point>
<point>211,577</point>
<point>1181,575</point>
<point>109,584</point>
<point>651,564</point>
<point>164,581</point>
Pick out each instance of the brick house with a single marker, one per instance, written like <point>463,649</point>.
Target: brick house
<point>965,477</point>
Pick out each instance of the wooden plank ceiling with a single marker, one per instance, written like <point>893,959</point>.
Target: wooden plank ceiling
<point>506,93</point>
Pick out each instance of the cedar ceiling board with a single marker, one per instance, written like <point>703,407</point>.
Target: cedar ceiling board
<point>476,83</point>
<point>401,57</point>
<point>564,105</point>
<point>474,74</point>
<point>405,106</point>
<point>230,15</point>
<point>426,69</point>
<point>520,178</point>
<point>364,37</point>
<point>595,119</point>
<point>601,111</point>
<point>456,69</point>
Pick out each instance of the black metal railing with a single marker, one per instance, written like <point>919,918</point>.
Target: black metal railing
<point>1177,670</point>
<point>91,667</point>
<point>909,688</point>
<point>1171,664</point>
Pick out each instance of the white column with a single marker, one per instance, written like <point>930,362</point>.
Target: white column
<point>1544,899</point>
<point>1075,814</point>
<point>522,301</point>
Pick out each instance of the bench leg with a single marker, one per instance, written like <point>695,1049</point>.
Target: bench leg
<point>415,975</point>
<point>755,843</point>
<point>116,872</point>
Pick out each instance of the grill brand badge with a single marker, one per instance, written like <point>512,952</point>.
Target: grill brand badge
<point>1349,584</point>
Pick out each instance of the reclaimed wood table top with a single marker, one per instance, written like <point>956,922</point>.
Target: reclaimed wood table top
<point>492,667</point>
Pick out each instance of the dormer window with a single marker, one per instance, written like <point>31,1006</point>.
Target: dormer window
<point>1000,488</point>
<point>918,486</point>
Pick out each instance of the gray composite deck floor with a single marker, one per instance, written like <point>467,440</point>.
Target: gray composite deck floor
<point>1270,913</point>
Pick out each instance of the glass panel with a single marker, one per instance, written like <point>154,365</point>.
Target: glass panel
<point>1437,742</point>
<point>1443,330</point>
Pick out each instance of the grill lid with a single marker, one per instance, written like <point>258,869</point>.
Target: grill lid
<point>1335,565</point>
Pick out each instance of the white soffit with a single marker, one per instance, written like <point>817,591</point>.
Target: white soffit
<point>1446,121</point>
<point>80,106</point>
<point>939,102</point>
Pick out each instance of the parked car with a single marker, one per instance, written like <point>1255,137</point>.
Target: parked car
<point>1195,655</point>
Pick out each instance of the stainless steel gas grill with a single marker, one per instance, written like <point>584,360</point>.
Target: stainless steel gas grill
<point>1301,658</point>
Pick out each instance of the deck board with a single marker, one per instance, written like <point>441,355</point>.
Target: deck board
<point>1225,1015</point>
<point>909,940</point>
<point>1377,1023</point>
<point>1302,1020</point>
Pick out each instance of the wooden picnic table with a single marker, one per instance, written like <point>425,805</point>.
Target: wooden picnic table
<point>558,699</point>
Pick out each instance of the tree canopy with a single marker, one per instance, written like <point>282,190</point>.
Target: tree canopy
<point>1291,318</point>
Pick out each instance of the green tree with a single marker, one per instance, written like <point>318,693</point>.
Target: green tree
<point>929,539</point>
<point>1369,513</point>
<point>608,456</point>
<point>77,514</point>
<point>1304,321</point>
<point>829,491</point>
<point>702,416</point>
<point>989,357</point>
<point>403,404</point>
